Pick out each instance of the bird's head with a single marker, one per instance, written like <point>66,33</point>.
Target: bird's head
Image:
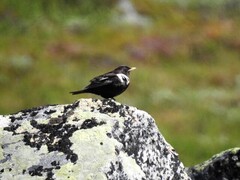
<point>124,70</point>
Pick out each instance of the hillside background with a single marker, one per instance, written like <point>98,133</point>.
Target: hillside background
<point>187,54</point>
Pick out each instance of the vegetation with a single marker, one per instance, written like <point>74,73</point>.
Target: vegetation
<point>187,59</point>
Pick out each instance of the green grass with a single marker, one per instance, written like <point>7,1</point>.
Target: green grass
<point>187,77</point>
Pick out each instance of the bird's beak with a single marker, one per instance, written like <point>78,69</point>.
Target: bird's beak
<point>133,68</point>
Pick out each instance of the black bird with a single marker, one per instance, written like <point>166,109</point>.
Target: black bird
<point>110,84</point>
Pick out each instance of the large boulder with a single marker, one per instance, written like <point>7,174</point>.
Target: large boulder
<point>89,139</point>
<point>222,166</point>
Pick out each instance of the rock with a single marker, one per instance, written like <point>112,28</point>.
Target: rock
<point>223,166</point>
<point>89,139</point>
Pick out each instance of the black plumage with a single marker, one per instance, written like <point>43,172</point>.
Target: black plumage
<point>110,84</point>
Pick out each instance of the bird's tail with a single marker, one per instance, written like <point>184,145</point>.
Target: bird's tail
<point>77,92</point>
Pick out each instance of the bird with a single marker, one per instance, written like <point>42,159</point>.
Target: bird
<point>110,84</point>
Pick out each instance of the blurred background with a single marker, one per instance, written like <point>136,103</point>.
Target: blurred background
<point>187,54</point>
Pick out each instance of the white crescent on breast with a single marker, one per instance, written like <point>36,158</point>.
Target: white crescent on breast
<point>123,78</point>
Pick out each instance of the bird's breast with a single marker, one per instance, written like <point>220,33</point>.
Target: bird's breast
<point>124,80</point>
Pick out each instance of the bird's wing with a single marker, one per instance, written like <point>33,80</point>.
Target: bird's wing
<point>101,80</point>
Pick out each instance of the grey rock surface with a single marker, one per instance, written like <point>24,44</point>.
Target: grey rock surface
<point>223,166</point>
<point>89,139</point>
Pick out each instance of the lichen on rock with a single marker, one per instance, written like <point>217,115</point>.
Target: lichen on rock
<point>225,165</point>
<point>89,139</point>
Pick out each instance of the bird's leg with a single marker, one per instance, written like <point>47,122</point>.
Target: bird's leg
<point>111,99</point>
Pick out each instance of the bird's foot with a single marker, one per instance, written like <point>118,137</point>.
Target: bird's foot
<point>111,99</point>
